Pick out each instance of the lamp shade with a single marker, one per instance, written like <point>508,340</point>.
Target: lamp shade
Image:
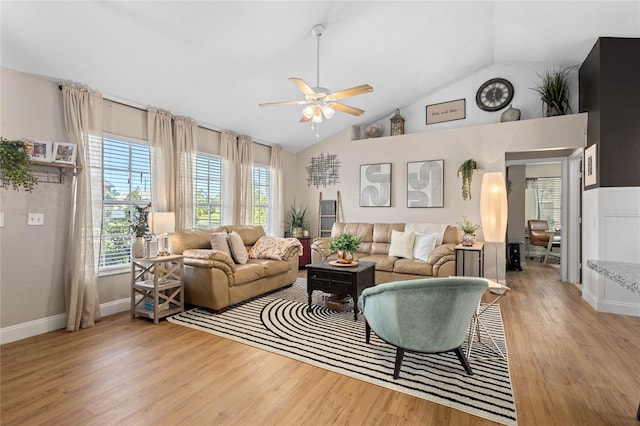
<point>493,207</point>
<point>162,222</point>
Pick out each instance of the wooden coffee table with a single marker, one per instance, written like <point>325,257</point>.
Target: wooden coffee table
<point>349,280</point>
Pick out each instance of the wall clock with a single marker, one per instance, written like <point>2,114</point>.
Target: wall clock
<point>494,94</point>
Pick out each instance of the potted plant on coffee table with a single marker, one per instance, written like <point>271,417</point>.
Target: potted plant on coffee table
<point>345,245</point>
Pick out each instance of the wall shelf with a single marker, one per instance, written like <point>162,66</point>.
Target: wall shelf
<point>44,173</point>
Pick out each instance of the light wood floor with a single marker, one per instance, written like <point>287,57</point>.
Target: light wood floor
<point>569,366</point>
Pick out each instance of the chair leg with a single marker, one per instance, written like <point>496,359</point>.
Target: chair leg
<point>367,328</point>
<point>399,356</point>
<point>463,360</point>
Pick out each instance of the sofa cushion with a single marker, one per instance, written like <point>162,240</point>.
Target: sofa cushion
<point>412,266</point>
<point>383,261</point>
<point>423,245</point>
<point>428,228</point>
<point>382,236</point>
<point>220,241</point>
<point>249,234</point>
<point>401,244</point>
<point>273,248</point>
<point>272,267</point>
<point>238,250</point>
<point>249,272</point>
<point>194,238</point>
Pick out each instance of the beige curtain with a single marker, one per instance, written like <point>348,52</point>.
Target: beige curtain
<point>245,157</point>
<point>82,110</point>
<point>275,225</point>
<point>185,133</point>
<point>163,174</point>
<point>230,169</point>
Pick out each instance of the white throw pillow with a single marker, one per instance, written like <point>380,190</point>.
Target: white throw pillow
<point>220,241</point>
<point>423,245</point>
<point>401,244</point>
<point>239,251</point>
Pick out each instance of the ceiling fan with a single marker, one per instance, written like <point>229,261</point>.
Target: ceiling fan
<point>321,102</point>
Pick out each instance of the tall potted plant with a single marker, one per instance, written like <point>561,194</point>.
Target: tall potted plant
<point>297,220</point>
<point>554,91</point>
<point>15,165</point>
<point>139,227</point>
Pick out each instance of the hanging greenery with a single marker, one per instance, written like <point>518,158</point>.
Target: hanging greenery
<point>15,166</point>
<point>466,170</point>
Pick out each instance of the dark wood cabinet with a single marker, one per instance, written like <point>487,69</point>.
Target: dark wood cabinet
<point>305,257</point>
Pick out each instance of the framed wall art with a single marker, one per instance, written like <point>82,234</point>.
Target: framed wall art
<point>446,111</point>
<point>590,176</point>
<point>375,185</point>
<point>40,150</point>
<point>425,183</point>
<point>64,152</point>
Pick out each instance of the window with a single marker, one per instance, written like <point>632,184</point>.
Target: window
<point>548,194</point>
<point>207,187</point>
<point>126,182</point>
<point>262,197</point>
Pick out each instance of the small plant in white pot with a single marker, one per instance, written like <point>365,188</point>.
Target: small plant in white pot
<point>468,231</point>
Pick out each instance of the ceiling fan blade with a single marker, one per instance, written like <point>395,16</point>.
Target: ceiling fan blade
<point>348,109</point>
<point>283,103</point>
<point>305,119</point>
<point>353,91</point>
<point>302,86</point>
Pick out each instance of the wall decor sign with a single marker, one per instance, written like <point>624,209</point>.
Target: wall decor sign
<point>64,153</point>
<point>375,185</point>
<point>323,170</point>
<point>425,183</point>
<point>446,111</point>
<point>590,177</point>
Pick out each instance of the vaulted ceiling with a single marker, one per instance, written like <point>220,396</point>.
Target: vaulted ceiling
<point>216,61</point>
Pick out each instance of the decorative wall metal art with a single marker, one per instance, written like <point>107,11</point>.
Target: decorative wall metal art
<point>425,183</point>
<point>375,185</point>
<point>323,170</point>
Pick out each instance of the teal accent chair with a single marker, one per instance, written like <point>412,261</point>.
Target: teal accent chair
<point>429,315</point>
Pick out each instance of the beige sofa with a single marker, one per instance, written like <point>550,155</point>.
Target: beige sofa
<point>375,240</point>
<point>214,281</point>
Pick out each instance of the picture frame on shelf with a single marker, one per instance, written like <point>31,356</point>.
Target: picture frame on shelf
<point>375,185</point>
<point>65,153</point>
<point>446,111</point>
<point>39,150</point>
<point>425,183</point>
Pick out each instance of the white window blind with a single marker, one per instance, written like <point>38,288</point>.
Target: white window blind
<point>262,197</point>
<point>549,195</point>
<point>207,187</point>
<point>126,182</point>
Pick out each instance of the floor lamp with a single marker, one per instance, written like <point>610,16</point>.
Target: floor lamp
<point>493,210</point>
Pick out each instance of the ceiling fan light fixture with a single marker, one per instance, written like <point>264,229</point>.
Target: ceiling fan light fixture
<point>308,111</point>
<point>317,115</point>
<point>328,111</point>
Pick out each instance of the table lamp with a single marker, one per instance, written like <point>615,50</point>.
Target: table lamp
<point>493,210</point>
<point>162,224</point>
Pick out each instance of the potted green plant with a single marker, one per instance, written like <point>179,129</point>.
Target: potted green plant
<point>15,165</point>
<point>297,220</point>
<point>139,227</point>
<point>345,245</point>
<point>466,170</point>
<point>554,91</point>
<point>468,231</point>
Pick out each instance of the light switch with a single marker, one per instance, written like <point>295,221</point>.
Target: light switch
<point>36,219</point>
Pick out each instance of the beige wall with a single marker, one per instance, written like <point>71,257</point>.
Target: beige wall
<point>32,257</point>
<point>487,144</point>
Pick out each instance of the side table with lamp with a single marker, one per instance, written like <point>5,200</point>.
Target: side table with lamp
<point>162,224</point>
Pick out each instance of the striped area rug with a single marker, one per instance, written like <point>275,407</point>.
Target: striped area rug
<point>281,323</point>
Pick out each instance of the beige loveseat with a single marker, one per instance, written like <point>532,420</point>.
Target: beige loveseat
<point>213,280</point>
<point>375,241</point>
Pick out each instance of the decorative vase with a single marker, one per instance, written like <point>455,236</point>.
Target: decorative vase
<point>511,114</point>
<point>553,111</point>
<point>468,239</point>
<point>297,232</point>
<point>137,247</point>
<point>373,131</point>
<point>345,257</point>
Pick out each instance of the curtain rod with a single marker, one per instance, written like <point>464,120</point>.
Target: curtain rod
<point>141,108</point>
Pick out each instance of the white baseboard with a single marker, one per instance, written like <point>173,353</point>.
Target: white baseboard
<point>55,322</point>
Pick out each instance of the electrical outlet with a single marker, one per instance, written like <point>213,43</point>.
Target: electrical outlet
<point>35,219</point>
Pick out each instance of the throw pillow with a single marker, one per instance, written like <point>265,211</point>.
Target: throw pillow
<point>220,241</point>
<point>401,244</point>
<point>238,250</point>
<point>423,245</point>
